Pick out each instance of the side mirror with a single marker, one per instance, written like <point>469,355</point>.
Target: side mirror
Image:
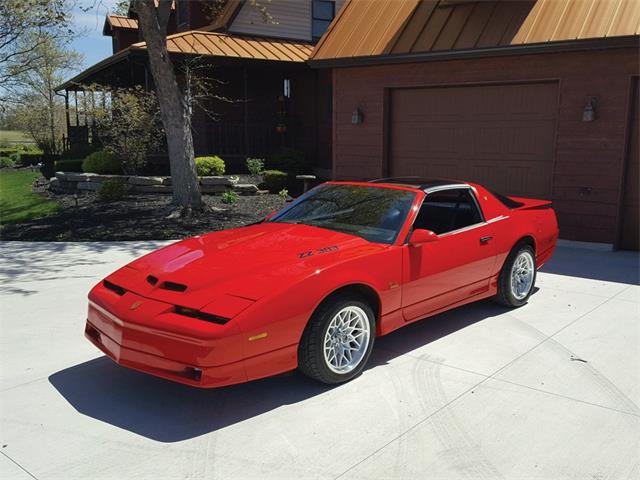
<point>421,236</point>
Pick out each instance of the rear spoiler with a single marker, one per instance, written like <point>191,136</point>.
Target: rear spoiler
<point>531,203</point>
<point>521,203</point>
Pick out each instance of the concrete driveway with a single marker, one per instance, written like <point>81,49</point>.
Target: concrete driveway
<point>550,390</point>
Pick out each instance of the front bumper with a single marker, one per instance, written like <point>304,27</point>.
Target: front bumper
<point>154,340</point>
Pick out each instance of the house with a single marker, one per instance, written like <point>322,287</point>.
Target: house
<point>531,98</point>
<point>273,98</point>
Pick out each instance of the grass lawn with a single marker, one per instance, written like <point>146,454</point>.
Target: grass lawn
<point>17,202</point>
<point>14,136</point>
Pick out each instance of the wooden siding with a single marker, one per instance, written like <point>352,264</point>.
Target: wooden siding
<point>370,27</point>
<point>588,156</point>
<point>292,19</point>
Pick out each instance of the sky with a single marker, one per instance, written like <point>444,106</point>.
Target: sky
<point>90,42</point>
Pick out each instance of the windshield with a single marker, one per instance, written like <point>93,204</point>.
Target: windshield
<point>373,213</point>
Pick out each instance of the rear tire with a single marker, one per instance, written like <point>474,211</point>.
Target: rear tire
<point>517,277</point>
<point>338,340</point>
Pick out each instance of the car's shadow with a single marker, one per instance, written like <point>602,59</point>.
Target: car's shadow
<point>170,412</point>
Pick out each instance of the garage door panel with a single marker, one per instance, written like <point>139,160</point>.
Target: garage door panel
<point>502,135</point>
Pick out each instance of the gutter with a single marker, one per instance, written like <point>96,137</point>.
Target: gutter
<point>530,49</point>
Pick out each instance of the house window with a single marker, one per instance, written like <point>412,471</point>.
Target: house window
<point>286,88</point>
<point>323,13</point>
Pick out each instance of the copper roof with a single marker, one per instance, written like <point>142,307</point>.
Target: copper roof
<point>374,27</point>
<point>119,21</point>
<point>196,42</point>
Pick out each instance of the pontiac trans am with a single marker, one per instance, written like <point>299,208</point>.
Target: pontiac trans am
<point>313,285</point>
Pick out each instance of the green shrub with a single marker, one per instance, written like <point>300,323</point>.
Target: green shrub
<point>29,158</point>
<point>112,190</point>
<point>283,194</point>
<point>289,160</point>
<point>274,180</point>
<point>7,151</point>
<point>230,197</point>
<point>255,166</point>
<point>102,162</point>
<point>210,166</point>
<point>69,165</point>
<point>6,162</point>
<point>15,158</point>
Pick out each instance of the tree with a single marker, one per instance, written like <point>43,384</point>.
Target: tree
<point>32,89</point>
<point>40,20</point>
<point>121,7</point>
<point>153,18</point>
<point>153,21</point>
<point>129,126</point>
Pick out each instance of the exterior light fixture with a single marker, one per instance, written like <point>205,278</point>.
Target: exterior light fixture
<point>357,116</point>
<point>589,112</point>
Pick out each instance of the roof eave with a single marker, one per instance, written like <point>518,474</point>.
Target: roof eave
<point>534,48</point>
<point>107,62</point>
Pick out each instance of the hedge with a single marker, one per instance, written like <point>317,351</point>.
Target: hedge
<point>69,165</point>
<point>288,160</point>
<point>102,162</point>
<point>210,166</point>
<point>274,180</point>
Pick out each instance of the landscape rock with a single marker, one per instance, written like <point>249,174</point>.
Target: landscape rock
<point>214,181</point>
<point>75,176</point>
<point>109,178</point>
<point>145,181</point>
<point>89,186</point>
<point>246,188</point>
<point>152,189</point>
<point>166,180</point>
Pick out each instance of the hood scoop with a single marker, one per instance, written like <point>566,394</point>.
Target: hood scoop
<point>172,286</point>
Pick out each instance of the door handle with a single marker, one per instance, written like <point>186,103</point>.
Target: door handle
<point>485,240</point>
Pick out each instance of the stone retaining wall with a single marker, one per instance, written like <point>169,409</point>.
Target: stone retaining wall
<point>70,182</point>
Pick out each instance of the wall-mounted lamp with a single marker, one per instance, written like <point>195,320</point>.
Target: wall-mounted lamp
<point>357,116</point>
<point>589,112</point>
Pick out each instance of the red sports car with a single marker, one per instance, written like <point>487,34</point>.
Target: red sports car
<point>314,284</point>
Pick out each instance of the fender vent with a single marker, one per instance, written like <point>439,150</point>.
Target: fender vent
<point>152,280</point>
<point>174,287</point>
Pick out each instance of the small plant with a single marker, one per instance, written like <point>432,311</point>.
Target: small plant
<point>274,180</point>
<point>283,194</point>
<point>255,165</point>
<point>6,162</point>
<point>112,191</point>
<point>102,162</point>
<point>230,197</point>
<point>210,166</point>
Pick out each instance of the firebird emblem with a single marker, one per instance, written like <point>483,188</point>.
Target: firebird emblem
<point>135,305</point>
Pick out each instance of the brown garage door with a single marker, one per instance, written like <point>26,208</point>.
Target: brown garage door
<point>501,136</point>
<point>630,222</point>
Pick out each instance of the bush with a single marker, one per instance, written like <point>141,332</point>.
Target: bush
<point>255,165</point>
<point>29,158</point>
<point>102,162</point>
<point>210,166</point>
<point>6,162</point>
<point>283,194</point>
<point>274,180</point>
<point>111,191</point>
<point>289,160</point>
<point>69,165</point>
<point>230,197</point>
<point>7,151</point>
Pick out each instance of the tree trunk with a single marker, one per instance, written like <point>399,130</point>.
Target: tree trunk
<point>173,109</point>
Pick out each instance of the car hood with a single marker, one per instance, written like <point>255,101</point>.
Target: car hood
<point>246,263</point>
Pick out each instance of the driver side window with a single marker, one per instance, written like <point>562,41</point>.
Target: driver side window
<point>448,210</point>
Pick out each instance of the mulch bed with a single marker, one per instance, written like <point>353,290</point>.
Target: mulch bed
<point>143,217</point>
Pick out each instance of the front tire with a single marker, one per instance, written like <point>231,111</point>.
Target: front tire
<point>517,277</point>
<point>338,340</point>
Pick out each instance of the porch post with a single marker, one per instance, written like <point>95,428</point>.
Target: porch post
<point>246,110</point>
